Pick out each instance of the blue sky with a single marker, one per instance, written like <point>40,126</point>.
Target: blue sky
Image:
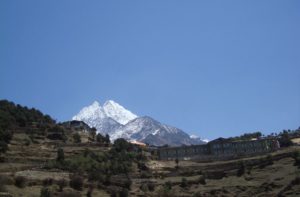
<point>211,68</point>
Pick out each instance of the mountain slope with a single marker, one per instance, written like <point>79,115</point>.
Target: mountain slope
<point>148,130</point>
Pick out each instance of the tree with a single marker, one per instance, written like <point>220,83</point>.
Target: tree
<point>77,138</point>
<point>107,139</point>
<point>61,184</point>
<point>285,140</point>
<point>93,133</point>
<point>122,145</point>
<point>100,138</point>
<point>177,162</point>
<point>184,182</point>
<point>241,169</point>
<point>45,192</point>
<point>60,155</point>
<point>76,182</point>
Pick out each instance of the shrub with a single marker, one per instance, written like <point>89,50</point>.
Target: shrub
<point>90,191</point>
<point>124,193</point>
<point>60,155</point>
<point>296,181</point>
<point>184,182</point>
<point>4,180</point>
<point>296,156</point>
<point>168,185</point>
<point>164,192</point>
<point>201,180</point>
<point>128,183</point>
<point>177,162</point>
<point>3,147</point>
<point>76,138</point>
<point>61,184</point>
<point>113,193</point>
<point>20,181</point>
<point>151,186</point>
<point>121,145</point>
<point>142,166</point>
<point>69,194</point>
<point>144,187</point>
<point>76,182</point>
<point>27,141</point>
<point>47,181</point>
<point>249,169</point>
<point>45,192</point>
<point>146,175</point>
<point>269,159</point>
<point>241,169</point>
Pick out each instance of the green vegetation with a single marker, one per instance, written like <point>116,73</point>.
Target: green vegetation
<point>184,182</point>
<point>45,192</point>
<point>60,155</point>
<point>93,133</point>
<point>241,169</point>
<point>77,138</point>
<point>15,116</point>
<point>177,162</point>
<point>76,182</point>
<point>103,139</point>
<point>20,181</point>
<point>284,139</point>
<point>296,156</point>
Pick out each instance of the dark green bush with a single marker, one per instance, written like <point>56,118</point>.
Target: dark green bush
<point>151,186</point>
<point>45,192</point>
<point>241,169</point>
<point>168,185</point>
<point>76,138</point>
<point>47,181</point>
<point>184,183</point>
<point>296,157</point>
<point>124,193</point>
<point>76,182</point>
<point>69,194</point>
<point>20,181</point>
<point>61,184</point>
<point>201,180</point>
<point>60,155</point>
<point>144,187</point>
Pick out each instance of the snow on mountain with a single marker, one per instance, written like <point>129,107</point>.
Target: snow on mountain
<point>146,129</point>
<point>105,119</point>
<point>118,122</point>
<point>118,112</point>
<point>195,137</point>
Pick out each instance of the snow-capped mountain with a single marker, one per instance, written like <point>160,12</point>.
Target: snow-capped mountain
<point>118,112</point>
<point>105,119</point>
<point>118,122</point>
<point>146,129</point>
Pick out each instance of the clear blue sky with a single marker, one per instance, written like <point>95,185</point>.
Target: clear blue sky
<point>211,68</point>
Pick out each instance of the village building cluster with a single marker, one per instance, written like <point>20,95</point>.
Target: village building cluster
<point>219,149</point>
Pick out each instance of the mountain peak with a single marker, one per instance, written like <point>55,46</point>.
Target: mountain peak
<point>94,113</point>
<point>95,104</point>
<point>110,102</point>
<point>118,112</point>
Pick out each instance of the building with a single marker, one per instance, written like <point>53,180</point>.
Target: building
<point>219,149</point>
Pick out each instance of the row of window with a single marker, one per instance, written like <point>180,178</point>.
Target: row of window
<point>227,148</point>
